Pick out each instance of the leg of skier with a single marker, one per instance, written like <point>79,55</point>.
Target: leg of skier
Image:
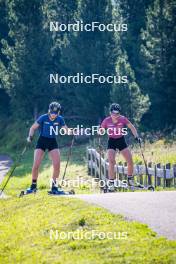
<point>111,158</point>
<point>55,157</point>
<point>126,153</point>
<point>38,156</point>
<point>111,173</point>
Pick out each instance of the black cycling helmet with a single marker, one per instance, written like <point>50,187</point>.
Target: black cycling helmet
<point>54,107</point>
<point>115,108</point>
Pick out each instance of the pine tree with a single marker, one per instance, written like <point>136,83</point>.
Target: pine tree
<point>89,53</point>
<point>129,95</point>
<point>158,58</point>
<point>134,104</point>
<point>26,74</point>
<point>4,98</point>
<point>134,14</point>
<point>62,12</point>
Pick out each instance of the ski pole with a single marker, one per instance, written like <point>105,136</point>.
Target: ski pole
<point>145,163</point>
<point>100,150</point>
<point>68,158</point>
<point>99,142</point>
<point>101,179</point>
<point>13,169</point>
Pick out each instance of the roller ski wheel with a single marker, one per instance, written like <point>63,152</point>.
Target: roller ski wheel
<point>72,192</point>
<point>151,188</point>
<point>108,190</point>
<point>105,190</point>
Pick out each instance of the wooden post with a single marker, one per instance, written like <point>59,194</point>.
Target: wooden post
<point>164,178</point>
<point>174,172</point>
<point>93,163</point>
<point>97,160</point>
<point>149,180</point>
<point>100,174</point>
<point>120,174</point>
<point>117,172</point>
<point>168,181</point>
<point>158,166</point>
<point>104,169</point>
<point>155,176</point>
<point>88,162</point>
<point>141,179</point>
<point>91,168</point>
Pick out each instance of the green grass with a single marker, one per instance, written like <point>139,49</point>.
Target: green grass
<point>25,234</point>
<point>26,223</point>
<point>77,169</point>
<point>158,152</point>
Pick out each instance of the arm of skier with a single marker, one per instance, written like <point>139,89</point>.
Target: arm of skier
<point>134,132</point>
<point>32,129</point>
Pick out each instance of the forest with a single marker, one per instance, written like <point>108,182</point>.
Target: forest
<point>32,48</point>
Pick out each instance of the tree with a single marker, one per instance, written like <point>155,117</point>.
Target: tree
<point>89,53</point>
<point>25,76</point>
<point>63,12</point>
<point>4,98</point>
<point>134,14</point>
<point>158,59</point>
<point>129,95</point>
<point>134,104</point>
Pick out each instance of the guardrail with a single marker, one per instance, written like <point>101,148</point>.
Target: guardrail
<point>159,175</point>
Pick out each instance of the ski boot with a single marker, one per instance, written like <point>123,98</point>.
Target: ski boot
<point>30,190</point>
<point>58,191</point>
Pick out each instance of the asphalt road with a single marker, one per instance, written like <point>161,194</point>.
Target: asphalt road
<point>5,164</point>
<point>157,209</point>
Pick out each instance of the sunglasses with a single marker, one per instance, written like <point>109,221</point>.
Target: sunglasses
<point>53,113</point>
<point>115,113</point>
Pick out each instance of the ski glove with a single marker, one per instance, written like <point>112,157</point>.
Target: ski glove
<point>29,139</point>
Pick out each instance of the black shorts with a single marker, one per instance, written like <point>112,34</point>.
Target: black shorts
<point>46,143</point>
<point>117,143</point>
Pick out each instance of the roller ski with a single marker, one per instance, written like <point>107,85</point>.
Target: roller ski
<point>109,187</point>
<point>31,190</point>
<point>58,191</point>
<point>132,185</point>
<point>114,186</point>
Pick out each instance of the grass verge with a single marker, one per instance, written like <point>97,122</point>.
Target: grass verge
<point>26,225</point>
